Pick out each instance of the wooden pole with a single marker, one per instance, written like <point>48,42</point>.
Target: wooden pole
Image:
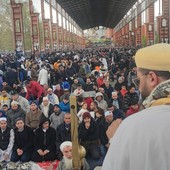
<point>74,133</point>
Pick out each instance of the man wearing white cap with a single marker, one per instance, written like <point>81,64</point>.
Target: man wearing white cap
<point>66,162</point>
<point>142,140</point>
<point>15,112</point>
<point>46,107</point>
<point>53,98</point>
<point>6,140</point>
<point>21,100</point>
<point>108,117</point>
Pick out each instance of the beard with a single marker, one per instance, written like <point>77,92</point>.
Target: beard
<point>68,163</point>
<point>144,92</point>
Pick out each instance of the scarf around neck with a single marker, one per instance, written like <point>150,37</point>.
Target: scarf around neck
<point>159,96</point>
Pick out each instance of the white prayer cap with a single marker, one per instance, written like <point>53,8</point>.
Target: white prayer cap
<point>3,119</point>
<point>108,113</point>
<point>14,103</point>
<point>45,98</point>
<point>66,143</point>
<point>114,93</point>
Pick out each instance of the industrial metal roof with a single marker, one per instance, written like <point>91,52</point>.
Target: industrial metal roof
<point>92,13</point>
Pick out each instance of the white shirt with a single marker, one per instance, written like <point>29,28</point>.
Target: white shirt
<point>142,142</point>
<point>43,76</point>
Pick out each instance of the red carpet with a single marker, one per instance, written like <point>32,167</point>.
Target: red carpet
<point>49,165</point>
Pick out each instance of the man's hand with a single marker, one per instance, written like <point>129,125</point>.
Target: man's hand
<point>46,151</point>
<point>40,152</point>
<point>112,128</point>
<point>6,156</point>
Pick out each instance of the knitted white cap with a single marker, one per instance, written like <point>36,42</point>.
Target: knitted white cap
<point>66,143</point>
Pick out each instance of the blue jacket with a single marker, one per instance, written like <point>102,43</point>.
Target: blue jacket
<point>2,113</point>
<point>65,107</point>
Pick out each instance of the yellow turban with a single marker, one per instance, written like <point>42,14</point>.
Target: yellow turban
<point>155,57</point>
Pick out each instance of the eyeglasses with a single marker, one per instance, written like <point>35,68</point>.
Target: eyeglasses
<point>136,80</point>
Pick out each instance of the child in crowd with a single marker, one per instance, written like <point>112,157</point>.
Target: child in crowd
<point>82,111</point>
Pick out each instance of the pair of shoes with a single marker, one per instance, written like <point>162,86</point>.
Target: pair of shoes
<point>4,164</point>
<point>11,166</point>
<point>24,166</point>
<point>1,163</point>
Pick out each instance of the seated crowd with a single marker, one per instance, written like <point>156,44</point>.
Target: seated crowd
<point>35,119</point>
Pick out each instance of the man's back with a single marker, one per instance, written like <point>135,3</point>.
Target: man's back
<point>141,142</point>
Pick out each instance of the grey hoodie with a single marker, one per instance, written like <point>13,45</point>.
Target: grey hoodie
<point>102,104</point>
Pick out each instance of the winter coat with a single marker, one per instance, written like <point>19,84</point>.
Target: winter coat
<point>33,119</point>
<point>34,89</point>
<point>24,139</point>
<point>23,103</point>
<point>118,114</point>
<point>56,119</point>
<point>65,107</point>
<point>62,134</point>
<point>59,93</point>
<point>70,72</point>
<point>108,91</point>
<point>45,140</point>
<point>131,111</point>
<point>12,115</point>
<point>88,87</point>
<point>91,134</point>
<point>129,97</point>
<point>120,103</point>
<point>103,126</point>
<point>34,74</point>
<point>102,104</point>
<point>11,77</point>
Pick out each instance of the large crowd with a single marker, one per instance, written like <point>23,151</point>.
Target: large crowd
<point>35,114</point>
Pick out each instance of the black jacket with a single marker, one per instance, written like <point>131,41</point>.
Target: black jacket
<point>102,135</point>
<point>45,140</point>
<point>24,139</point>
<point>118,114</point>
<point>63,134</point>
<point>91,134</point>
<point>129,97</point>
<point>4,138</point>
<point>103,126</point>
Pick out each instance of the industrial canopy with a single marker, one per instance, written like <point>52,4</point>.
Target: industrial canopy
<point>92,13</point>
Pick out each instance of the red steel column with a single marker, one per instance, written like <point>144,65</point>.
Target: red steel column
<point>52,26</point>
<point>138,30</point>
<point>47,39</point>
<point>17,25</point>
<point>57,27</point>
<point>165,21</point>
<point>35,34</point>
<point>150,25</point>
